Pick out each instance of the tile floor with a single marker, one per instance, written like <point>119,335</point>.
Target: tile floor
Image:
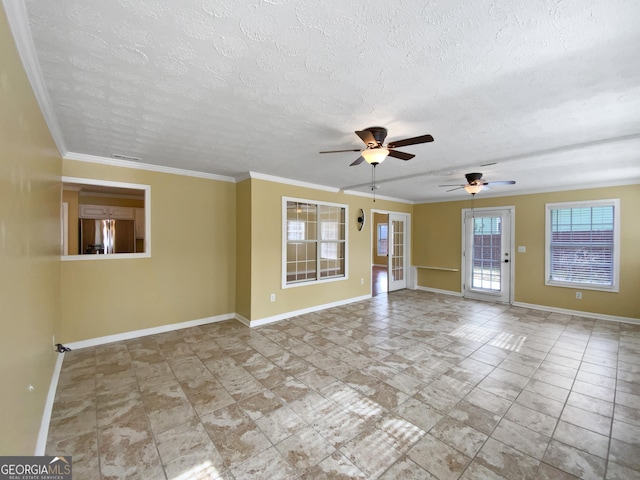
<point>410,385</point>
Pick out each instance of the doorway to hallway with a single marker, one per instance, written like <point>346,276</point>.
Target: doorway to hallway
<point>380,253</point>
<point>379,280</point>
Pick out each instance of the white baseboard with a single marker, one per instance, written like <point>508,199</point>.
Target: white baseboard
<point>284,316</point>
<point>92,342</point>
<point>579,313</point>
<point>243,320</point>
<point>437,290</point>
<point>41,443</point>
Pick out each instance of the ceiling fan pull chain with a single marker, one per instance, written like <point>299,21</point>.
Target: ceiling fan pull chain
<point>373,182</point>
<point>473,206</point>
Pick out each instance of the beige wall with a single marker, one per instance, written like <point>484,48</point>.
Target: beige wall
<point>111,201</point>
<point>266,249</point>
<point>191,272</point>
<point>71,197</point>
<point>438,237</point>
<point>29,254</point>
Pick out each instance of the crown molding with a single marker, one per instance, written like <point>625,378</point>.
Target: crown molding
<point>19,24</point>
<point>378,197</point>
<point>295,183</point>
<point>533,191</point>
<point>81,157</point>
<point>242,177</point>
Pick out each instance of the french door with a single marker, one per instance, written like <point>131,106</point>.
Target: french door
<point>397,252</point>
<point>487,257</point>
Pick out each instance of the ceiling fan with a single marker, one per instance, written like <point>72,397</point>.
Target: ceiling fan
<point>375,151</point>
<point>475,183</point>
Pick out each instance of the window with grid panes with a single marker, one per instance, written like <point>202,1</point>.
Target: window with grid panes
<point>383,239</point>
<point>315,241</point>
<point>582,244</point>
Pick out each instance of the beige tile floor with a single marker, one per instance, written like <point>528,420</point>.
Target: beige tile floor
<point>410,385</point>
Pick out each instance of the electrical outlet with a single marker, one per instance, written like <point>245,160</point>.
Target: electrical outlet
<point>362,281</point>
<point>273,297</point>
<point>579,295</point>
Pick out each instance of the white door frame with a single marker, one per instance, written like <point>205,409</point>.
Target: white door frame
<point>407,246</point>
<point>511,211</point>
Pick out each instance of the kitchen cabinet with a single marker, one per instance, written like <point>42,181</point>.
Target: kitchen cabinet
<point>140,223</point>
<point>102,212</point>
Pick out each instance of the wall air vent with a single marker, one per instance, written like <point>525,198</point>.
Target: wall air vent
<point>125,157</point>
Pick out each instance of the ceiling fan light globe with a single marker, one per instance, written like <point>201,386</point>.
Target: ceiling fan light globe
<point>375,156</point>
<point>473,189</point>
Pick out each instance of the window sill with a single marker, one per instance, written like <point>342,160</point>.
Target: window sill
<point>108,256</point>
<point>583,286</point>
<point>314,282</point>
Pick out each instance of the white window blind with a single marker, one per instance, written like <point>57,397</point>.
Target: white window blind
<point>582,244</point>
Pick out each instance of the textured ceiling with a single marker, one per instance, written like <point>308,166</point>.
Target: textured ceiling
<point>549,91</point>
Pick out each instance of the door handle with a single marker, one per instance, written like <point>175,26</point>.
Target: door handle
<point>506,261</point>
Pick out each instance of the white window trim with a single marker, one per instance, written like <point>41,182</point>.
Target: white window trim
<point>284,243</point>
<point>615,202</point>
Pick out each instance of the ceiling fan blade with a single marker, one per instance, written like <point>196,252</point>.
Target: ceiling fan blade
<point>502,182</point>
<point>458,185</point>
<point>357,162</point>
<point>401,155</point>
<point>367,137</point>
<point>411,141</point>
<point>338,151</point>
<point>457,188</point>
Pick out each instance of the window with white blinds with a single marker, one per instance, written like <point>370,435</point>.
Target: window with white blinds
<point>582,244</point>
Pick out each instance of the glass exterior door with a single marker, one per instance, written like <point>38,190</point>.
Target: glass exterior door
<point>487,257</point>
